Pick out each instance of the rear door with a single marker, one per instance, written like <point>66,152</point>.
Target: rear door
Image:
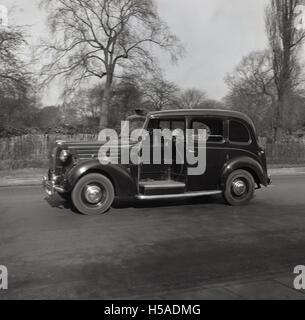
<point>215,153</point>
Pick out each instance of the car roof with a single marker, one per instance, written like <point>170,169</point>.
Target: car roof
<point>202,112</point>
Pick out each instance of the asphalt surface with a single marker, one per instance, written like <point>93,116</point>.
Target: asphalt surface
<point>149,249</point>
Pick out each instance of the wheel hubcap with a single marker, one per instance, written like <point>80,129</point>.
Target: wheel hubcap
<point>93,194</point>
<point>239,187</point>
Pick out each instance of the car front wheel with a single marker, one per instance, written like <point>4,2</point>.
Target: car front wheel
<point>93,194</point>
<point>239,188</point>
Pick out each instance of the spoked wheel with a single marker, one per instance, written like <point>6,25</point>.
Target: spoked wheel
<point>93,194</point>
<point>239,189</point>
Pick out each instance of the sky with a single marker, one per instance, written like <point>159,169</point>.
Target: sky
<point>215,33</point>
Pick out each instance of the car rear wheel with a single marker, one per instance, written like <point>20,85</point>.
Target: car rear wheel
<point>239,189</point>
<point>93,194</point>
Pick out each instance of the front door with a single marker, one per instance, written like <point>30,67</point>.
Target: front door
<point>163,171</point>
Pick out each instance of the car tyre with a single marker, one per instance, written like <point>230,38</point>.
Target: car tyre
<point>93,194</point>
<point>239,188</point>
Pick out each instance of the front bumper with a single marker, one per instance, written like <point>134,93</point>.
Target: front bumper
<point>50,186</point>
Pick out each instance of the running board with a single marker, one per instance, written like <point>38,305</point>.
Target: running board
<point>179,196</point>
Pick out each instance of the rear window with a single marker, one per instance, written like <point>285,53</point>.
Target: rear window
<point>238,132</point>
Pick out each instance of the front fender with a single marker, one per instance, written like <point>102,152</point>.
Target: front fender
<point>120,176</point>
<point>245,163</point>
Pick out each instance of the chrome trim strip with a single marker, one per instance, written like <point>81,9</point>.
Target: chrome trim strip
<point>59,189</point>
<point>180,195</point>
<point>148,186</point>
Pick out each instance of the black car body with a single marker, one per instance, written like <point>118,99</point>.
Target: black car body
<point>235,165</point>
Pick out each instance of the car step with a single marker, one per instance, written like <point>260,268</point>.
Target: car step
<point>179,196</point>
<point>164,184</point>
<point>151,188</point>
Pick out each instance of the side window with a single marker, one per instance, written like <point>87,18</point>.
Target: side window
<point>164,124</point>
<point>178,124</point>
<point>213,127</point>
<point>200,126</point>
<point>238,132</point>
<point>172,124</point>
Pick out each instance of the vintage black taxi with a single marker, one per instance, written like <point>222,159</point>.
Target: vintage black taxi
<point>235,165</point>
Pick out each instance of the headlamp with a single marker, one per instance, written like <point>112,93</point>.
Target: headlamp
<point>64,155</point>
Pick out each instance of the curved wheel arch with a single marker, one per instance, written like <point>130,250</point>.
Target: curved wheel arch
<point>247,164</point>
<point>123,182</point>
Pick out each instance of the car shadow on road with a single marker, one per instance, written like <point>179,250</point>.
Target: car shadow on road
<point>142,204</point>
<point>56,201</point>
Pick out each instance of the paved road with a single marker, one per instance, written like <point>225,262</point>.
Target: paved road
<point>153,250</point>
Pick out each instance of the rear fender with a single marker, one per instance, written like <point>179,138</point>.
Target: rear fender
<point>248,164</point>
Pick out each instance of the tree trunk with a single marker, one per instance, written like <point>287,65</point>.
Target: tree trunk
<point>105,104</point>
<point>278,127</point>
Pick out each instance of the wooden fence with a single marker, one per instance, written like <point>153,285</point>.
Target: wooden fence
<point>286,154</point>
<point>32,150</point>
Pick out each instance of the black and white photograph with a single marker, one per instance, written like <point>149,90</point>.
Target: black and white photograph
<point>152,150</point>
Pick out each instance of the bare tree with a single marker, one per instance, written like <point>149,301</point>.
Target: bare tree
<point>252,89</point>
<point>100,38</point>
<point>254,75</point>
<point>17,95</point>
<point>14,78</point>
<point>212,104</point>
<point>160,93</point>
<point>84,104</point>
<point>192,99</point>
<point>83,107</point>
<point>285,38</point>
